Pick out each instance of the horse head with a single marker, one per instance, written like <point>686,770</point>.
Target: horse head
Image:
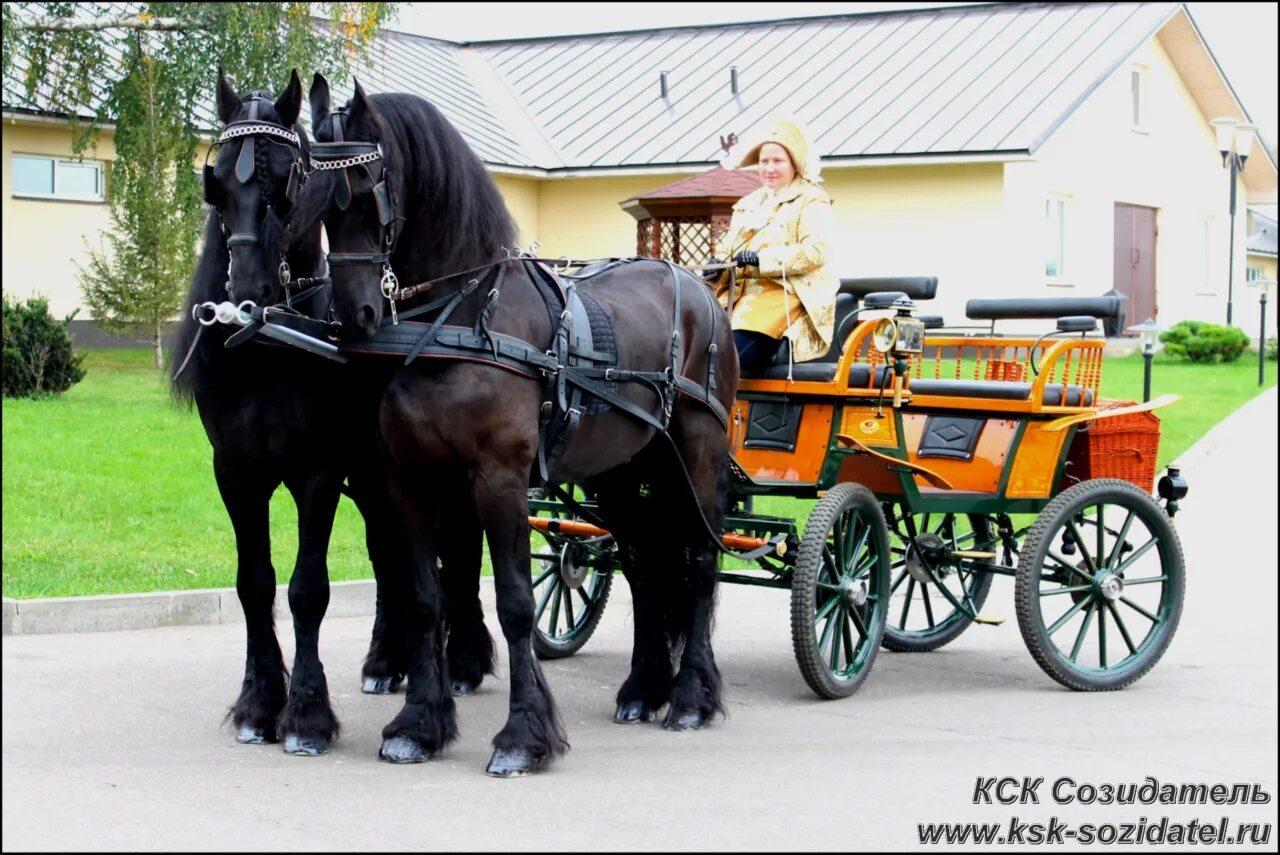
<point>253,185</point>
<point>356,198</point>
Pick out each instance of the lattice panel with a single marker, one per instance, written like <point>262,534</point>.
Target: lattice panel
<point>684,240</point>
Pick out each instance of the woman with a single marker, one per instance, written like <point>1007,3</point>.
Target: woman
<point>781,235</point>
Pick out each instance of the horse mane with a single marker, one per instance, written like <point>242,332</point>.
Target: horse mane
<point>457,215</point>
<point>208,282</point>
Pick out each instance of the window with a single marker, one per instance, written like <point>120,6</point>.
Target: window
<point>57,178</point>
<point>1138,98</point>
<point>1252,274</point>
<point>1055,234</point>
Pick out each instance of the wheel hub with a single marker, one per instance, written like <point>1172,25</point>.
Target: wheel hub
<point>1110,586</point>
<point>573,566</point>
<point>924,552</point>
<point>854,592</point>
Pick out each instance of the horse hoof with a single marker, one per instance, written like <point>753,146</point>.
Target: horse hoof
<point>463,687</point>
<point>401,749</point>
<point>249,735</point>
<point>512,763</point>
<point>687,720</point>
<point>380,685</point>
<point>632,712</point>
<point>305,746</point>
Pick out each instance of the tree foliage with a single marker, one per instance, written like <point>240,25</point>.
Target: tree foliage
<point>150,79</point>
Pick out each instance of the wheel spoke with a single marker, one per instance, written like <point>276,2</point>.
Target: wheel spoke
<point>1084,628</point>
<point>1124,532</point>
<point>1071,612</point>
<point>1124,631</point>
<point>825,610</point>
<point>546,596</point>
<point>1080,544</point>
<point>928,606</point>
<point>1066,565</point>
<point>849,650</point>
<point>555,609</point>
<point>898,582</point>
<point>1102,534</point>
<point>1071,590</point>
<point>859,621</point>
<point>571,620</point>
<point>906,604</point>
<point>1137,553</point>
<point>838,617</point>
<point>1145,581</point>
<point>542,577</point>
<point>1139,609</point>
<point>1102,638</point>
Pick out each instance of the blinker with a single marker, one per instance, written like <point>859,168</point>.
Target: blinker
<point>382,198</point>
<point>291,186</point>
<point>210,186</point>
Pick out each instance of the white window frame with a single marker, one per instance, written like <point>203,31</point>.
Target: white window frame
<point>1143,105</point>
<point>56,195</point>
<point>1062,278</point>
<point>1252,273</point>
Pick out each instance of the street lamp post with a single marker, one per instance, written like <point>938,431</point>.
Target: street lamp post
<point>1149,330</point>
<point>1235,142</point>
<point>1263,286</point>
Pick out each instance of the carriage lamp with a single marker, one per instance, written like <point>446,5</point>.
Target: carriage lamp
<point>1172,487</point>
<point>901,336</point>
<point>1235,142</point>
<point>1150,331</point>
<point>1263,286</point>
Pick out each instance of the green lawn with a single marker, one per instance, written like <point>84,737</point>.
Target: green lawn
<point>109,488</point>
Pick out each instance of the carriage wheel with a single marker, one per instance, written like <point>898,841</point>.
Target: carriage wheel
<point>572,578</point>
<point>840,591</point>
<point>1100,585</point>
<point>926,586</point>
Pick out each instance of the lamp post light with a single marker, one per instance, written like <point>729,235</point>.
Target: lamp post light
<point>1235,142</point>
<point>1263,286</point>
<point>1150,331</point>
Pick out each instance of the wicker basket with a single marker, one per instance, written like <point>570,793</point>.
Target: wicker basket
<point>1124,447</point>
<point>1005,369</point>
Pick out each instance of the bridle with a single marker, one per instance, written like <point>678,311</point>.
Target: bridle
<point>339,156</point>
<point>251,129</point>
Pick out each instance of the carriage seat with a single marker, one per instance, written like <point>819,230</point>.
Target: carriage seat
<point>1042,308</point>
<point>1001,389</point>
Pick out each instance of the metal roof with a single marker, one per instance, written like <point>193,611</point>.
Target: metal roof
<point>959,80</point>
<point>989,79</point>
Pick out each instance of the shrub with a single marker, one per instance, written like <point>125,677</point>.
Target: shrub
<point>38,359</point>
<point>1201,341</point>
<point>1271,349</point>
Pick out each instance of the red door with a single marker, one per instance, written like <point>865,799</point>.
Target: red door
<point>1135,262</point>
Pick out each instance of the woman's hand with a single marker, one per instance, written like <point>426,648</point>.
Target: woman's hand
<point>747,258</point>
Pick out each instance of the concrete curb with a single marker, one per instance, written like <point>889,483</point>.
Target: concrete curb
<point>172,608</point>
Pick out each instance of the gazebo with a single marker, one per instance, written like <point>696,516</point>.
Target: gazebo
<point>683,220</point>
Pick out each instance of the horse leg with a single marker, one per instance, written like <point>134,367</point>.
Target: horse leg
<point>469,649</point>
<point>428,720</point>
<point>388,658</point>
<point>308,723</point>
<point>646,687</point>
<point>262,695</point>
<point>533,732</point>
<point>695,694</point>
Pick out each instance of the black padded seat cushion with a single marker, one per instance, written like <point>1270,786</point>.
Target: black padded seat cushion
<point>1000,389</point>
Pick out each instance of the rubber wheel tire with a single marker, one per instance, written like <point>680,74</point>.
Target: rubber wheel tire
<point>950,628</point>
<point>813,567</point>
<point>1041,538</point>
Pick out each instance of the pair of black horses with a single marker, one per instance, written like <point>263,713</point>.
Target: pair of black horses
<point>438,453</point>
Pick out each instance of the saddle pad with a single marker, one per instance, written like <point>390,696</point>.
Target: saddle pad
<point>605,343</point>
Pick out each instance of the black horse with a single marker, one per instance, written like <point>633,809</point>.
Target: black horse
<point>423,206</point>
<point>275,415</point>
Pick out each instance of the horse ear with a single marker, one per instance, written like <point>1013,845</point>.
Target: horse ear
<point>319,100</point>
<point>228,100</point>
<point>360,108</point>
<point>289,104</point>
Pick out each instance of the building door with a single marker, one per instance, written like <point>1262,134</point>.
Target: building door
<point>1135,262</point>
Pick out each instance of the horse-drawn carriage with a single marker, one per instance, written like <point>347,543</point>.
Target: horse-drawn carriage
<point>927,450</point>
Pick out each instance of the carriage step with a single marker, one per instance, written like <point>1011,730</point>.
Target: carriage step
<point>988,620</point>
<point>968,553</point>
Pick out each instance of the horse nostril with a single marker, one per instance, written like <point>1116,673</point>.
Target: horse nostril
<point>365,318</point>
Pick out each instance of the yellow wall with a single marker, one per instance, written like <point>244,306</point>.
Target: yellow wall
<point>1097,160</point>
<point>44,238</point>
<point>582,218</point>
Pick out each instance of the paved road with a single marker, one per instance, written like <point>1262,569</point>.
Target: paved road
<point>114,741</point>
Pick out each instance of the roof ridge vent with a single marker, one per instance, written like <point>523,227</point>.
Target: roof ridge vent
<point>662,83</point>
<point>733,79</point>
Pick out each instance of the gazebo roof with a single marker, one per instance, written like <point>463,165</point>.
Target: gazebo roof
<point>715,182</point>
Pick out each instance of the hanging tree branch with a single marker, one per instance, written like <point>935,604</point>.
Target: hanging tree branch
<point>51,23</point>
